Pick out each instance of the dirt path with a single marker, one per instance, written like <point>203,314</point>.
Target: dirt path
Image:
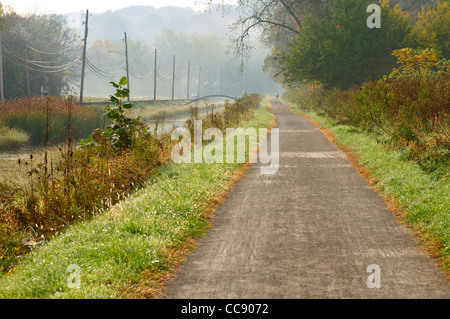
<point>309,231</point>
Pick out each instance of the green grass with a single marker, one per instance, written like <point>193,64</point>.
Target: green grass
<point>424,200</point>
<point>138,236</point>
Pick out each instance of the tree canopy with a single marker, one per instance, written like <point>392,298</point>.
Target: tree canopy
<point>340,50</point>
<point>45,46</point>
<point>329,41</point>
<point>433,28</point>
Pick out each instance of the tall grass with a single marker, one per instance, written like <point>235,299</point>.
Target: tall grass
<point>11,138</point>
<point>29,115</point>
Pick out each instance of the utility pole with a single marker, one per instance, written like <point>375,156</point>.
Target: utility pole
<point>155,73</point>
<point>84,56</point>
<point>189,70</point>
<point>126,60</point>
<point>173,79</point>
<point>28,72</point>
<point>218,81</point>
<point>2,94</point>
<point>208,85</point>
<point>199,81</point>
<point>243,82</point>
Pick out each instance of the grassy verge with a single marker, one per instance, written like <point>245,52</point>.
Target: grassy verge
<point>420,201</point>
<point>127,250</point>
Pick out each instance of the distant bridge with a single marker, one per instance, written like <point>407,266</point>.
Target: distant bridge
<point>209,96</point>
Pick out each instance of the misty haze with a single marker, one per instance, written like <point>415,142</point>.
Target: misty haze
<point>199,38</point>
<point>252,154</point>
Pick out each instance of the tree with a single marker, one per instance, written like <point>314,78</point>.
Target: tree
<point>205,51</point>
<point>52,49</point>
<point>339,50</point>
<point>2,18</point>
<point>420,64</point>
<point>413,7</point>
<point>276,21</point>
<point>433,28</point>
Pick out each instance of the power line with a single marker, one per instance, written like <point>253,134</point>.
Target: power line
<point>161,77</point>
<point>136,73</point>
<point>178,79</point>
<point>105,71</point>
<point>104,77</point>
<point>52,53</point>
<point>14,57</point>
<point>111,65</point>
<point>18,59</point>
<point>55,69</point>
<point>114,72</point>
<point>98,27</point>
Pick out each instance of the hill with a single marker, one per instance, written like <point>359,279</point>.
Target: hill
<point>142,23</point>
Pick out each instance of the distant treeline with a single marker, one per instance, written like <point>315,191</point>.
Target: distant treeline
<point>42,44</point>
<point>43,55</point>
